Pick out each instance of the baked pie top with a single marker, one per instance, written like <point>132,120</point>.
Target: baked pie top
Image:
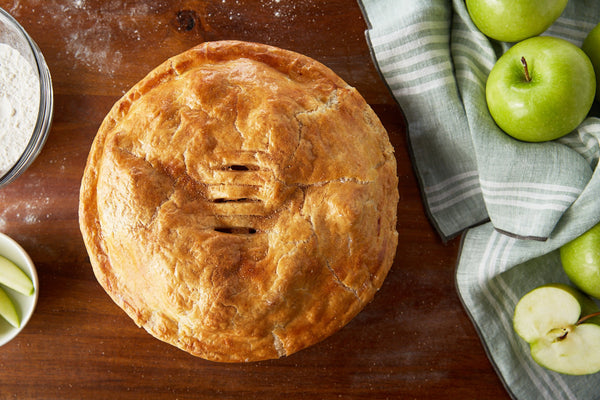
<point>239,202</point>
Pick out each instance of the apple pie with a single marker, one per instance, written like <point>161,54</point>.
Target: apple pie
<point>239,202</point>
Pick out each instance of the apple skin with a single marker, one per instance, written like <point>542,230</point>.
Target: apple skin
<point>581,261</point>
<point>591,47</point>
<point>556,99</point>
<point>514,20</point>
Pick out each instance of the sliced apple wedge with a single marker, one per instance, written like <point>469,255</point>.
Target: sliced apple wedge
<point>13,277</point>
<point>549,318</point>
<point>8,310</point>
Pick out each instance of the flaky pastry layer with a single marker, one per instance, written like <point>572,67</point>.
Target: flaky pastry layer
<point>239,202</point>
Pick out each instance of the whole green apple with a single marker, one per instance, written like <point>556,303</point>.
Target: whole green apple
<point>581,261</point>
<point>591,46</point>
<point>541,89</point>
<point>514,20</point>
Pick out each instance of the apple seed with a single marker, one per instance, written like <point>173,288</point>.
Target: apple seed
<point>559,334</point>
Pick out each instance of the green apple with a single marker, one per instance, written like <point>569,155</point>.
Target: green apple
<point>541,89</point>
<point>8,310</point>
<point>514,20</point>
<point>13,277</point>
<point>557,322</point>
<point>581,261</point>
<point>591,46</point>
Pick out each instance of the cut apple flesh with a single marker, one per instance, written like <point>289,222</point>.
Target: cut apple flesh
<point>543,309</point>
<point>7,309</point>
<point>577,352</point>
<point>13,277</point>
<point>548,318</point>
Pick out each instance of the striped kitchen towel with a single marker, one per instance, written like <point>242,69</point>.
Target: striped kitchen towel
<point>495,270</point>
<point>435,63</point>
<point>410,44</point>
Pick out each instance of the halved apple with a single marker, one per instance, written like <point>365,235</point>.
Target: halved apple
<point>8,310</point>
<point>13,277</point>
<point>560,326</point>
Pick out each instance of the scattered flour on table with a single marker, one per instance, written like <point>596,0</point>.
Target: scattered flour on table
<point>96,38</point>
<point>94,31</point>
<point>19,105</point>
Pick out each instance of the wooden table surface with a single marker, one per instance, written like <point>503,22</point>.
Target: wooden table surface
<point>413,341</point>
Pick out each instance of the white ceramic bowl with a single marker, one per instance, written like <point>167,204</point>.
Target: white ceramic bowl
<point>13,34</point>
<point>25,305</point>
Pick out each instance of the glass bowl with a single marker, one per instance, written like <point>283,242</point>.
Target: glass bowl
<point>13,35</point>
<point>25,305</point>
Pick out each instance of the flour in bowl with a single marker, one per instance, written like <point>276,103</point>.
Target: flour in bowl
<point>19,105</point>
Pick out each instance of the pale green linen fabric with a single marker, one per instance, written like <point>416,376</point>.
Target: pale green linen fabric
<point>526,199</point>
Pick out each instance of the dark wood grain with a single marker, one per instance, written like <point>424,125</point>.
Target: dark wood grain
<point>414,341</point>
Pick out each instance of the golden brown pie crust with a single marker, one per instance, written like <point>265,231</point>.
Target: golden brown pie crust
<point>239,202</point>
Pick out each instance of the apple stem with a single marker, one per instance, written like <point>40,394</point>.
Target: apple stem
<point>527,76</point>
<point>583,319</point>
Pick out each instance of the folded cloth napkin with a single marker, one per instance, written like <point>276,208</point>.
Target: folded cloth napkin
<point>435,63</point>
